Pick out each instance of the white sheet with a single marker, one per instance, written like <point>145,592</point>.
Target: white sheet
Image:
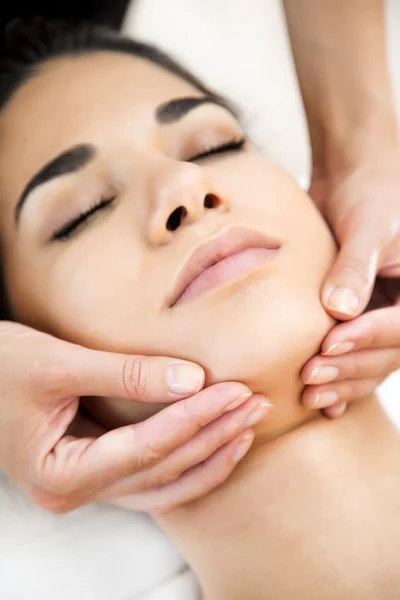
<point>96,553</point>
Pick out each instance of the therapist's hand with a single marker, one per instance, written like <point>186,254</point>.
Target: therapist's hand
<point>363,209</point>
<point>63,459</point>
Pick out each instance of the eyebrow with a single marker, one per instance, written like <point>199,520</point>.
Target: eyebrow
<point>70,161</point>
<point>174,110</point>
<point>76,158</point>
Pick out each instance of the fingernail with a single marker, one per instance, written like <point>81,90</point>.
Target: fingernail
<point>323,375</point>
<point>343,300</point>
<point>339,348</point>
<point>257,414</point>
<point>244,445</point>
<point>238,401</point>
<point>324,399</point>
<point>185,378</point>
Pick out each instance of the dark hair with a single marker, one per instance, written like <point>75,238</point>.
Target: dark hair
<point>5,314</point>
<point>28,44</point>
<point>109,12</point>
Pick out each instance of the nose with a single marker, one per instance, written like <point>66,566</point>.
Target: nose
<point>181,194</point>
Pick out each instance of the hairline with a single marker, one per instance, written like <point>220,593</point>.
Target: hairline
<point>31,71</point>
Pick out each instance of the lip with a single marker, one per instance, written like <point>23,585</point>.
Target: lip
<point>222,245</point>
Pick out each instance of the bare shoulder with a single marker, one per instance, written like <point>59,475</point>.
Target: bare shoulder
<point>337,484</point>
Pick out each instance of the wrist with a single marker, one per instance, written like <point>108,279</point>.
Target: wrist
<point>342,142</point>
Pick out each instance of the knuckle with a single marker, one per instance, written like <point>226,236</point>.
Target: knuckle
<point>159,480</point>
<point>151,457</point>
<point>210,479</point>
<point>216,476</point>
<point>58,378</point>
<point>52,377</point>
<point>56,484</point>
<point>352,368</point>
<point>136,377</point>
<point>40,376</point>
<point>163,508</point>
<point>351,389</point>
<point>387,365</point>
<point>147,456</point>
<point>358,389</point>
<point>51,502</point>
<point>219,436</point>
<point>369,338</point>
<point>189,413</point>
<point>366,388</point>
<point>356,270</point>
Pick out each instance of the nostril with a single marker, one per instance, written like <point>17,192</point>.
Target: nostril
<point>211,201</point>
<point>175,218</point>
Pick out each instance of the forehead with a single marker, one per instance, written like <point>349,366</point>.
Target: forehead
<point>90,98</point>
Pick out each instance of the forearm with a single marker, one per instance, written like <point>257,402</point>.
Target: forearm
<point>339,47</point>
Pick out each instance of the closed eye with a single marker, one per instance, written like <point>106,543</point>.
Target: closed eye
<point>71,227</point>
<point>231,146</point>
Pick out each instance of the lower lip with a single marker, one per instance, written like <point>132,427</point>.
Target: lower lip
<point>225,271</point>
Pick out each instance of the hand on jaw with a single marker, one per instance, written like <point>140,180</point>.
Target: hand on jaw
<point>363,209</point>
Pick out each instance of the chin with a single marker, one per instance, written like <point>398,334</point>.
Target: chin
<point>266,342</point>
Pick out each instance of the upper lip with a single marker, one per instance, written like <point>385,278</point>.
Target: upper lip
<point>209,252</point>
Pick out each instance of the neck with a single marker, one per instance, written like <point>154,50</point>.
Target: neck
<point>242,535</point>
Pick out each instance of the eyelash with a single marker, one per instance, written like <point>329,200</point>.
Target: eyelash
<point>231,146</point>
<point>67,230</point>
<point>82,219</point>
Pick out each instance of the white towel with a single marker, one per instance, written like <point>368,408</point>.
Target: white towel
<point>95,553</point>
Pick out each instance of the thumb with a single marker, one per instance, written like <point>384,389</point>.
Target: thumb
<point>140,378</point>
<point>349,285</point>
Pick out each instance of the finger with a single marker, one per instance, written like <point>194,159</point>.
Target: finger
<point>343,391</point>
<point>335,411</point>
<point>79,468</point>
<point>349,285</point>
<point>197,450</point>
<point>87,372</point>
<point>363,364</point>
<point>376,329</point>
<point>195,483</point>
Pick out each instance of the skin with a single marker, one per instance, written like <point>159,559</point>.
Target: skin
<point>145,161</point>
<point>344,77</point>
<point>299,513</point>
<point>305,475</point>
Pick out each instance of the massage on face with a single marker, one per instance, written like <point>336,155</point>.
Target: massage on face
<point>137,217</point>
<point>104,255</point>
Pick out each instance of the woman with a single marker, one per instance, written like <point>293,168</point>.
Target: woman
<point>355,163</point>
<point>140,179</point>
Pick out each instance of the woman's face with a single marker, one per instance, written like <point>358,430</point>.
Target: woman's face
<point>108,280</point>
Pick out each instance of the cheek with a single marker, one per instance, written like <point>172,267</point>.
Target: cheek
<point>94,294</point>
<point>108,311</point>
<point>101,297</point>
<point>267,331</point>
<point>271,327</point>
